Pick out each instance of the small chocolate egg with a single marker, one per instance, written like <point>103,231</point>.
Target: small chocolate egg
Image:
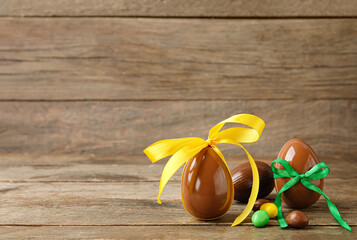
<point>302,158</point>
<point>206,187</point>
<point>259,203</point>
<point>243,181</point>
<point>297,219</point>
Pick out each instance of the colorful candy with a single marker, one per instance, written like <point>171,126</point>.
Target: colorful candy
<point>270,208</point>
<point>260,218</point>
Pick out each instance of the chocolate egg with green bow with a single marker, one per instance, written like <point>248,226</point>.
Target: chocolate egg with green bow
<point>206,187</point>
<point>302,158</point>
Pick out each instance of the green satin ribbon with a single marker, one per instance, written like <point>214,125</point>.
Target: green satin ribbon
<point>319,171</point>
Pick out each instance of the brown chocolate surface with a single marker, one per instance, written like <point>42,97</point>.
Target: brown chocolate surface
<point>243,181</point>
<point>297,219</point>
<point>302,158</point>
<point>206,186</point>
<point>258,203</point>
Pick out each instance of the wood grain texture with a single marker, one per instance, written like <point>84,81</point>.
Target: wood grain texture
<point>336,189</point>
<point>177,59</point>
<point>69,169</point>
<point>171,232</point>
<point>81,211</point>
<point>177,8</point>
<point>59,178</point>
<point>85,210</point>
<point>128,127</point>
<point>85,86</point>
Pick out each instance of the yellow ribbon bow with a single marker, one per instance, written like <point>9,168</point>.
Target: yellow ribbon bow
<point>183,149</point>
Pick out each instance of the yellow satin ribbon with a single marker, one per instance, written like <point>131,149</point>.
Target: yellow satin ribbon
<point>183,149</point>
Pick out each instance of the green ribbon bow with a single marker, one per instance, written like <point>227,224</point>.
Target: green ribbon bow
<point>319,171</point>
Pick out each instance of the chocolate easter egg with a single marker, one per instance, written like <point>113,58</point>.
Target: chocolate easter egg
<point>243,181</point>
<point>297,219</point>
<point>206,187</point>
<point>302,158</point>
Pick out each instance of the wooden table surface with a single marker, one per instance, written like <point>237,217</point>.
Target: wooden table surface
<point>115,198</point>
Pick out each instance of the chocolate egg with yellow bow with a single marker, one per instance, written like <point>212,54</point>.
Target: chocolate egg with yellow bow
<point>206,187</point>
<point>302,158</point>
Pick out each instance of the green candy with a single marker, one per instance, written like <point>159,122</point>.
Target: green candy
<point>260,218</point>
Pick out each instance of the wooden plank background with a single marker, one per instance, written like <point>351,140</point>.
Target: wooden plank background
<point>127,127</point>
<point>85,86</point>
<point>178,8</point>
<point>111,86</point>
<point>177,59</point>
<point>161,232</point>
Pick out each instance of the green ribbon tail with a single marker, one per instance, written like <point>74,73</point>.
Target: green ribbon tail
<point>277,202</point>
<point>280,216</point>
<point>333,209</point>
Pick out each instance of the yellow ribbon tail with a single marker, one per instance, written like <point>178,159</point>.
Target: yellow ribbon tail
<point>177,160</point>
<point>253,193</point>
